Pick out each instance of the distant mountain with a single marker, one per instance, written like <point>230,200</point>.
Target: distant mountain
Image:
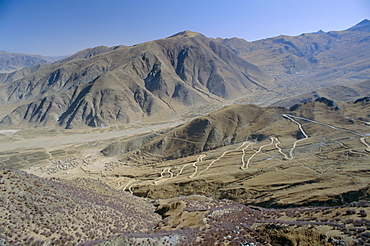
<point>153,80</point>
<point>311,60</point>
<point>344,93</point>
<point>362,26</point>
<point>158,80</point>
<point>10,62</point>
<point>21,73</point>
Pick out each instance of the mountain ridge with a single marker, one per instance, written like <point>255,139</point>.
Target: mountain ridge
<point>310,60</point>
<point>172,73</point>
<point>102,86</point>
<point>10,62</point>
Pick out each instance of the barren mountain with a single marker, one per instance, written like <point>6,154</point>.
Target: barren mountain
<point>126,84</point>
<point>10,62</point>
<point>343,93</point>
<point>311,60</point>
<point>160,79</point>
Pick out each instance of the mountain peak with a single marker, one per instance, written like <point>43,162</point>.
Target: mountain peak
<point>364,25</point>
<point>319,32</point>
<point>186,33</point>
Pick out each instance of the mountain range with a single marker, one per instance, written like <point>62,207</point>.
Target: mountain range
<point>126,84</point>
<point>219,142</point>
<point>310,60</point>
<point>105,86</point>
<point>10,62</point>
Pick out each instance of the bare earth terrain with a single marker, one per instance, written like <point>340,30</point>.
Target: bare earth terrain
<point>158,144</point>
<point>293,160</point>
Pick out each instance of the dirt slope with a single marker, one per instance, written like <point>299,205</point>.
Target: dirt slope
<point>229,125</point>
<point>35,211</point>
<point>313,153</point>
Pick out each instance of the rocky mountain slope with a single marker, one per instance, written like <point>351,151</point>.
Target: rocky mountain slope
<point>127,84</point>
<point>105,86</point>
<point>311,60</point>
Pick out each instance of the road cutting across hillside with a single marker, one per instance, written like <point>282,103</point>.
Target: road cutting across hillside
<point>245,165</point>
<point>243,147</point>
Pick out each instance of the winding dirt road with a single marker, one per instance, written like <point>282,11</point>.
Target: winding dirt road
<point>245,145</point>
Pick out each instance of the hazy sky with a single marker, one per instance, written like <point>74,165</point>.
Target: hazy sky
<point>63,27</point>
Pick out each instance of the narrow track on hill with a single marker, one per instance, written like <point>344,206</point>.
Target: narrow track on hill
<point>223,154</point>
<point>200,159</point>
<point>243,147</point>
<point>299,140</point>
<point>246,165</point>
<point>324,124</point>
<point>363,140</point>
<point>362,136</point>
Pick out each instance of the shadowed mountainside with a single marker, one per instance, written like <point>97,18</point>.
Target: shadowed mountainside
<point>127,84</point>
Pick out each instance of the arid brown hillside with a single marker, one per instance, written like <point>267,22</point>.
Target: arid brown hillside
<point>266,156</point>
<point>154,79</point>
<point>35,211</point>
<point>309,61</point>
<point>157,80</point>
<point>229,125</point>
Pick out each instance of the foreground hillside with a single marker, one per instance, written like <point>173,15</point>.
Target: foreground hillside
<point>37,211</point>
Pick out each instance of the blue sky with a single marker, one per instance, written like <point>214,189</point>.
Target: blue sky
<point>63,27</point>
